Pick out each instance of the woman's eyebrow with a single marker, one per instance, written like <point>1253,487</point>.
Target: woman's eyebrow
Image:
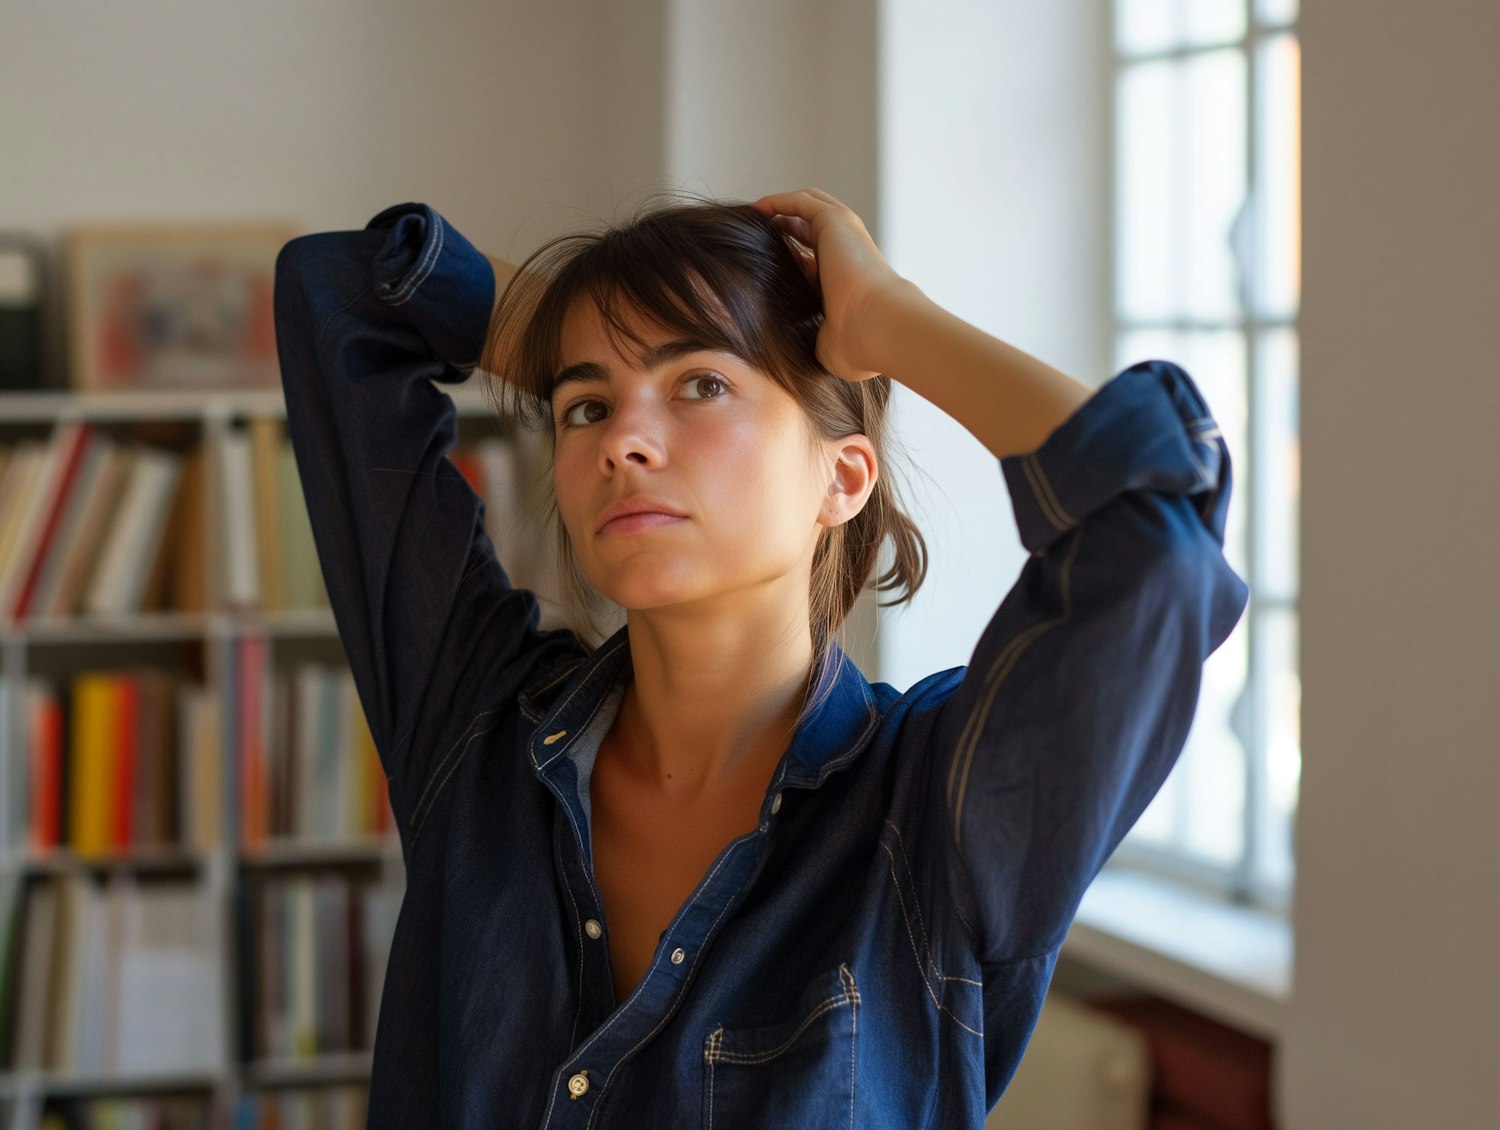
<point>655,357</point>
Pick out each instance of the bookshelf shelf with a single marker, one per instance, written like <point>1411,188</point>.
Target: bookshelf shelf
<point>200,631</point>
<point>331,1067</point>
<point>310,852</point>
<point>106,1083</point>
<point>139,860</point>
<point>54,406</point>
<point>92,629</point>
<point>167,626</point>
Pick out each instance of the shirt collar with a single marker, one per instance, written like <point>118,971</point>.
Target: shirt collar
<point>833,734</point>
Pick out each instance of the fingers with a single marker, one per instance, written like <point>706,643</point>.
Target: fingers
<point>796,226</point>
<point>805,202</point>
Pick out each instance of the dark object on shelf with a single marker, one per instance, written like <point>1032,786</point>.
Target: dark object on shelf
<point>22,294</point>
<point>1206,1074</point>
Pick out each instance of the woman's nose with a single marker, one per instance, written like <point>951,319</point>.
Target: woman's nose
<point>631,433</point>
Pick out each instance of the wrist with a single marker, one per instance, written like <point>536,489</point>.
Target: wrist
<point>878,319</point>
<point>428,271</point>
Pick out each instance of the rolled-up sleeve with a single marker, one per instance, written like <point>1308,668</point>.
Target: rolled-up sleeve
<point>1080,694</point>
<point>366,321</point>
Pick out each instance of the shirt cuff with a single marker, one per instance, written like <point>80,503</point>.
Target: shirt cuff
<point>1147,428</point>
<point>443,284</point>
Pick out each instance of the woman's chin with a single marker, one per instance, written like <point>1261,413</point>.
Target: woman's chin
<point>647,589</point>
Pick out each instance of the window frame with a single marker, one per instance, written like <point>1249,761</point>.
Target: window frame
<point>1239,883</point>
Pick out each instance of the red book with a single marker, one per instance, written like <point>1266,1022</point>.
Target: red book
<point>468,465</point>
<point>75,436</point>
<point>46,771</point>
<point>127,706</point>
<point>252,651</point>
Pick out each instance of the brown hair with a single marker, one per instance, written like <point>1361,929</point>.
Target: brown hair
<point>722,273</point>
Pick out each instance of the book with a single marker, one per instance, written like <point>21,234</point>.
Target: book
<point>33,519</point>
<point>21,472</point>
<point>265,440</point>
<point>91,753</point>
<point>135,533</point>
<point>238,528</point>
<point>50,571</point>
<point>44,773</point>
<point>98,502</point>
<point>171,1002</point>
<point>39,924</point>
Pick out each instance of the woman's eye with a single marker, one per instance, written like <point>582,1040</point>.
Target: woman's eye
<point>567,416</point>
<point>569,419</point>
<point>711,379</point>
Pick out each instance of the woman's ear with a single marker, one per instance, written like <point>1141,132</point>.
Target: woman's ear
<point>855,473</point>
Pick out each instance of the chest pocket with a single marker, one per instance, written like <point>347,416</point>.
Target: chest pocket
<point>799,1072</point>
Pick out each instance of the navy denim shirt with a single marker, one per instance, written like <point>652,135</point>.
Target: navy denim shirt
<point>876,952</point>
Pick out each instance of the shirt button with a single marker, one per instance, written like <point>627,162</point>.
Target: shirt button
<point>776,804</point>
<point>592,928</point>
<point>579,1084</point>
<point>677,955</point>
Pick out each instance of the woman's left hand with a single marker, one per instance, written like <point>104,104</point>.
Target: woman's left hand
<point>843,260</point>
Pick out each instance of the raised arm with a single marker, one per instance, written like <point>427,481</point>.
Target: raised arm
<point>1077,701</point>
<point>1081,691</point>
<point>434,632</point>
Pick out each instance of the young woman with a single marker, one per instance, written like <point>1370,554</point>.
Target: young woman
<point>702,872</point>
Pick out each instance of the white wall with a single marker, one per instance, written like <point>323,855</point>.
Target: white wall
<point>516,121</point>
<point>994,200</point>
<point>1395,1019</point>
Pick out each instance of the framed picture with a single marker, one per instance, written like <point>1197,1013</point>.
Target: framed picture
<point>172,305</point>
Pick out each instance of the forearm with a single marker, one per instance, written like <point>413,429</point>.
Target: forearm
<point>1009,400</point>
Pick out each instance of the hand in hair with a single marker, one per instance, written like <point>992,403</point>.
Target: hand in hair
<point>837,253</point>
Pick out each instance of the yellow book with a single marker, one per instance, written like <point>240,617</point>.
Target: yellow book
<point>91,759</point>
<point>370,791</point>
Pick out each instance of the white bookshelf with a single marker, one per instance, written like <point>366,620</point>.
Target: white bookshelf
<point>56,648</point>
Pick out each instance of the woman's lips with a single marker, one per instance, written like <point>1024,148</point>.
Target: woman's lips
<point>635,523</point>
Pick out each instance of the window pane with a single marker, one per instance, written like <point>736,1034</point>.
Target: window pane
<point>1278,148</point>
<point>1277,671</point>
<point>1181,169</point>
<point>1143,26</point>
<point>1275,11</point>
<point>1216,362</point>
<point>1200,810</point>
<point>1277,466</point>
<point>1214,101</point>
<point>1147,196</point>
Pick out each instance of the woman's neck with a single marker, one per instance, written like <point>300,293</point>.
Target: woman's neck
<point>702,715</point>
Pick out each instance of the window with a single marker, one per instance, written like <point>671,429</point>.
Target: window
<point>1207,273</point>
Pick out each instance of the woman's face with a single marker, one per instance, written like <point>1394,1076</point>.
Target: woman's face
<point>703,432</point>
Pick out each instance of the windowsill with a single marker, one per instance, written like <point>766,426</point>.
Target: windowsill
<point>1225,961</point>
